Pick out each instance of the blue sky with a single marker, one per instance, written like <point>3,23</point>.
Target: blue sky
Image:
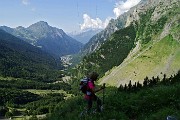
<point>69,15</point>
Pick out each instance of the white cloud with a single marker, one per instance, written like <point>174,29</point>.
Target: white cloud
<point>90,23</point>
<point>25,2</point>
<point>107,21</point>
<point>122,7</point>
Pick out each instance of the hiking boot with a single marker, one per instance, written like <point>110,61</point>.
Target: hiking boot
<point>171,118</point>
<point>94,111</point>
<point>100,109</point>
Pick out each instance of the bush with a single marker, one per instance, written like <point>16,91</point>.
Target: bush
<point>8,115</point>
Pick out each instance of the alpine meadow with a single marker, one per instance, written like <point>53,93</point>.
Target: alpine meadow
<point>115,68</point>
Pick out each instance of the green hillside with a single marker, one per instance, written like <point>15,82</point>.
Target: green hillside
<point>111,53</point>
<point>20,59</point>
<point>147,47</point>
<point>160,58</point>
<point>27,79</point>
<point>157,51</point>
<point>153,101</point>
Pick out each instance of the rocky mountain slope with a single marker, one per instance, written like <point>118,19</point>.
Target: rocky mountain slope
<point>49,39</point>
<point>157,50</point>
<point>154,51</point>
<point>115,24</point>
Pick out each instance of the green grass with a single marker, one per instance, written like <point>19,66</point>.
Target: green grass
<point>8,78</point>
<point>148,103</point>
<point>45,92</point>
<point>161,58</point>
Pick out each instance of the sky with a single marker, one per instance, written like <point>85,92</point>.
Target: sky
<point>69,15</point>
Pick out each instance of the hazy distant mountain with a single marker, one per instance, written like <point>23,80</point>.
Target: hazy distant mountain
<point>49,39</point>
<point>84,36</point>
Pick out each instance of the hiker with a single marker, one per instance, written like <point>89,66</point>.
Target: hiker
<point>90,93</point>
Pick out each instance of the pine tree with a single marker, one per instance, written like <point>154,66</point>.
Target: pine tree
<point>139,86</point>
<point>120,88</point>
<point>129,86</point>
<point>125,87</point>
<point>145,82</point>
<point>134,87</point>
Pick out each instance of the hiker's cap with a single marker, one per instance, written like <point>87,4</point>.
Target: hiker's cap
<point>93,75</point>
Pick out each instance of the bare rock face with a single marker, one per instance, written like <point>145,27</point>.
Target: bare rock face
<point>162,7</point>
<point>175,23</point>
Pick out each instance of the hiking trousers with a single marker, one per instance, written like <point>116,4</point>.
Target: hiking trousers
<point>92,99</point>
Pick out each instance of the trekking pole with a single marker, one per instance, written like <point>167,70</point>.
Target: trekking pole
<point>103,92</point>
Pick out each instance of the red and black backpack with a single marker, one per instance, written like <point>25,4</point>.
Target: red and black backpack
<point>84,85</point>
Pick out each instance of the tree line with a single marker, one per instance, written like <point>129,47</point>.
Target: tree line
<point>29,84</point>
<point>150,82</point>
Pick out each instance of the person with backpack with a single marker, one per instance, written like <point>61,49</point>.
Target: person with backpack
<point>87,86</point>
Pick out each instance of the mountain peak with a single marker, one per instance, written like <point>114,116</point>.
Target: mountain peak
<point>40,28</point>
<point>42,23</point>
<point>39,25</point>
<point>19,28</point>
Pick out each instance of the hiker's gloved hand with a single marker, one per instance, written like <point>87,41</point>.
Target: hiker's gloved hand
<point>102,87</point>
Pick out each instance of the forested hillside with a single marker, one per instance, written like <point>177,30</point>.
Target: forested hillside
<point>20,59</point>
<point>28,76</point>
<point>111,53</point>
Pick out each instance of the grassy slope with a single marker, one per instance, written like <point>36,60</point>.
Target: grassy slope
<point>156,57</point>
<point>161,58</point>
<point>149,103</point>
